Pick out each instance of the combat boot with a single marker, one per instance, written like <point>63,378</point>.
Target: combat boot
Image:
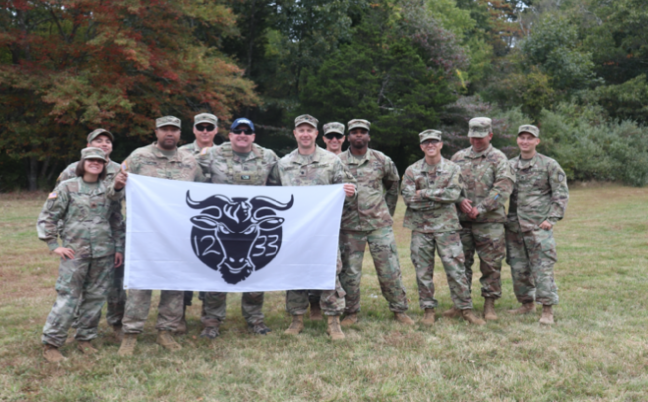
<point>526,308</point>
<point>334,329</point>
<point>428,318</point>
<point>547,315</point>
<point>403,319</point>
<point>259,328</point>
<point>452,313</point>
<point>52,354</point>
<point>489,309</point>
<point>469,316</point>
<point>86,348</point>
<point>349,320</point>
<point>118,333</point>
<point>296,326</point>
<point>181,329</point>
<point>315,312</point>
<point>127,345</point>
<point>166,340</point>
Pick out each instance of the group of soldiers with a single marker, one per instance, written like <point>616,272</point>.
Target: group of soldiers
<point>456,206</point>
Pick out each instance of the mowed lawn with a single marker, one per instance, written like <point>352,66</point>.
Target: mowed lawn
<point>598,349</point>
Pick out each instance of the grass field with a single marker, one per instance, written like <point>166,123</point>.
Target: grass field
<point>598,349</point>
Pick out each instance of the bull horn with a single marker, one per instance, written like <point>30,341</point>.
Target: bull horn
<point>218,200</point>
<point>262,201</point>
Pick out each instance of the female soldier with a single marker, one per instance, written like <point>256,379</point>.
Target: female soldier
<point>93,243</point>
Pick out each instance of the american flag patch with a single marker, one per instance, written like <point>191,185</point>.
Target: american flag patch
<point>52,195</point>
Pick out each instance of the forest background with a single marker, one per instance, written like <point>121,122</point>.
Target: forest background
<point>575,68</point>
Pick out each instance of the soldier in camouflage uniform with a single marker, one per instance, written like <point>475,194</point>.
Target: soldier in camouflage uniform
<point>333,138</point>
<point>205,129</point>
<point>538,201</point>
<point>103,139</point>
<point>488,183</point>
<point>162,159</point>
<point>242,162</point>
<point>310,165</point>
<point>369,220</point>
<point>93,245</point>
<point>430,189</point>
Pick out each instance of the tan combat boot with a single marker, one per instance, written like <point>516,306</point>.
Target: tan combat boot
<point>349,320</point>
<point>296,326</point>
<point>469,316</point>
<point>127,345</point>
<point>547,315</point>
<point>315,312</point>
<point>489,309</point>
<point>166,340</point>
<point>334,329</point>
<point>52,354</point>
<point>403,319</point>
<point>86,348</point>
<point>181,329</point>
<point>428,318</point>
<point>526,308</point>
<point>452,313</point>
<point>118,333</point>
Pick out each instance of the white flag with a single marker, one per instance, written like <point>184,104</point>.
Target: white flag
<point>225,238</point>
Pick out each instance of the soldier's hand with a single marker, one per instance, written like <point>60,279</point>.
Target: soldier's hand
<point>474,212</point>
<point>349,189</point>
<point>119,259</point>
<point>546,225</point>
<point>466,206</point>
<point>120,180</point>
<point>64,252</point>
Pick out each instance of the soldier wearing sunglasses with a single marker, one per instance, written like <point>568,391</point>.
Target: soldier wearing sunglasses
<point>205,129</point>
<point>242,162</point>
<point>334,137</point>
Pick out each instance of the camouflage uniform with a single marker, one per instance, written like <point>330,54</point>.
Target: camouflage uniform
<point>116,295</point>
<point>93,228</point>
<point>369,219</point>
<point>226,167</point>
<point>173,165</point>
<point>432,217</point>
<point>319,168</point>
<point>488,183</point>
<point>540,194</point>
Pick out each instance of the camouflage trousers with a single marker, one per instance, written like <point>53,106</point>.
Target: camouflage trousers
<point>488,240</point>
<point>116,301</point>
<point>382,246</point>
<point>448,245</point>
<point>215,304</point>
<point>331,301</point>
<point>532,256</point>
<point>82,282</point>
<point>138,305</point>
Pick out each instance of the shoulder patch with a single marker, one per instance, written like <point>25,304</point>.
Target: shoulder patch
<point>52,195</point>
<point>204,151</point>
<point>561,177</point>
<point>124,166</point>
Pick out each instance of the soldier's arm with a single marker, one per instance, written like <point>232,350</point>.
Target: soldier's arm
<point>463,194</point>
<point>274,178</point>
<point>54,209</point>
<point>111,192</point>
<point>501,190</point>
<point>390,181</point>
<point>445,193</point>
<point>118,226</point>
<point>409,190</point>
<point>342,174</point>
<point>559,192</point>
<point>204,160</point>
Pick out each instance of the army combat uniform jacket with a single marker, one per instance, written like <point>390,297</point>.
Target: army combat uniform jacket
<point>377,179</point>
<point>224,166</point>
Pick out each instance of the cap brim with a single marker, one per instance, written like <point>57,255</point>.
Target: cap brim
<point>169,124</point>
<point>204,121</point>
<point>358,126</point>
<point>106,133</point>
<point>306,122</point>
<point>477,134</point>
<point>528,132</point>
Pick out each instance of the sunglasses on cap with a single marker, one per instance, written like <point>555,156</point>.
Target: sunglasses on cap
<point>205,127</point>
<point>247,131</point>
<point>337,136</point>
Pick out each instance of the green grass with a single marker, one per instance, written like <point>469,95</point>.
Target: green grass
<point>598,349</point>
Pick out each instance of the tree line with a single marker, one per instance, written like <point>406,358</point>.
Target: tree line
<point>575,68</point>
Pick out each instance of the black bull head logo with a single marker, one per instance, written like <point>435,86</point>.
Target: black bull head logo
<point>237,236</point>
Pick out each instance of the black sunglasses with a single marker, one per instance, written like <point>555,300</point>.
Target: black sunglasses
<point>205,127</point>
<point>335,135</point>
<point>247,131</point>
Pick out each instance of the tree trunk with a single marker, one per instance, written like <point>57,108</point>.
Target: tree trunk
<point>33,173</point>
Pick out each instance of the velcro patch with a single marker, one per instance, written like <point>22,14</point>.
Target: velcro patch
<point>204,151</point>
<point>52,195</point>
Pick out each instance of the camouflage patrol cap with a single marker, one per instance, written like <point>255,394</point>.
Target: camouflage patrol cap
<point>358,123</point>
<point>96,133</point>
<point>334,127</point>
<point>528,128</point>
<point>205,118</point>
<point>167,121</point>
<point>306,118</point>
<point>479,127</point>
<point>93,153</point>
<point>430,135</point>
